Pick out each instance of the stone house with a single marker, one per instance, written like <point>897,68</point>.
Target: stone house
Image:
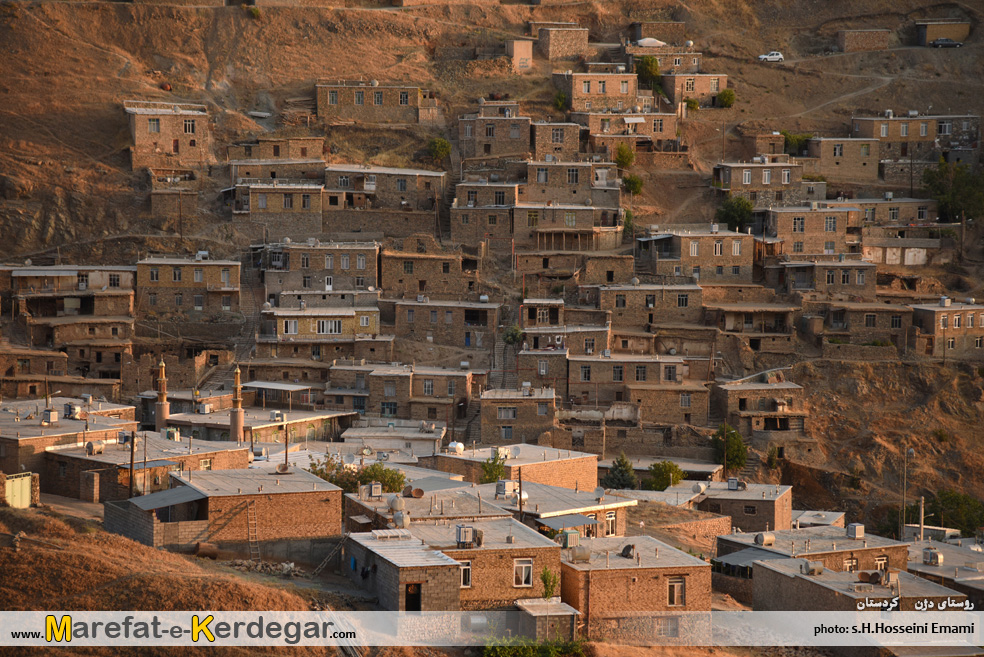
<point>607,376</point>
<point>658,128</point>
<point>710,255</point>
<point>860,322</point>
<point>686,402</point>
<point>949,330</point>
<point>588,92</point>
<point>294,207</point>
<point>539,313</point>
<point>562,42</point>
<point>814,229</point>
<point>555,141</point>
<point>823,276</point>
<point>544,367</point>
<point>277,148</point>
<point>262,424</point>
<point>373,187</point>
<point>574,183</point>
<point>702,87</point>
<point>443,501</point>
<point>454,323</point>
<point>751,507</point>
<point>168,135</point>
<point>316,333</point>
<point>495,130</point>
<point>193,287</point>
<point>768,180</point>
<point>232,508</point>
<point>315,266</point>
<point>509,416</point>
<point>763,326</point>
<point>863,40</point>
<point>928,31</point>
<point>616,580</point>
<point>371,102</point>
<point>544,465</point>
<point>889,210</point>
<point>419,265</point>
<point>643,305</point>
<point>103,473</point>
<point>846,159</point>
<point>672,59</point>
<point>764,407</point>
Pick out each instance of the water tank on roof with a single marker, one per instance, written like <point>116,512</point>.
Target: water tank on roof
<point>699,488</point>
<point>396,503</point>
<point>765,538</point>
<point>689,44</point>
<point>581,553</point>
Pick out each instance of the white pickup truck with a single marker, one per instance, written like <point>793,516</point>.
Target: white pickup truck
<point>774,56</point>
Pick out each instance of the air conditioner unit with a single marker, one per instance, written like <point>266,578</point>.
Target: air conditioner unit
<point>570,538</point>
<point>464,535</point>
<point>375,489</point>
<point>860,587</point>
<point>732,483</point>
<point>855,530</point>
<point>932,557</point>
<point>82,285</point>
<point>607,353</point>
<point>276,416</point>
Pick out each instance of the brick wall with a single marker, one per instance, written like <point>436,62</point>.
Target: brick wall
<point>492,575</point>
<point>580,473</point>
<point>526,426</point>
<point>563,43</point>
<point>440,585</point>
<point>158,149</point>
<point>702,87</point>
<point>282,515</point>
<point>753,515</point>
<point>897,555</point>
<point>396,104</point>
<point>861,40</point>
<point>173,204</point>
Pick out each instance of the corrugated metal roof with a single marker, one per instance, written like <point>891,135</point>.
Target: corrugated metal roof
<point>166,498</point>
<point>276,385</point>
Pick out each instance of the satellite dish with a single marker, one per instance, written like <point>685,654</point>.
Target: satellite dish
<point>367,451</point>
<point>283,468</point>
<point>516,450</point>
<point>348,459</point>
<point>599,492</point>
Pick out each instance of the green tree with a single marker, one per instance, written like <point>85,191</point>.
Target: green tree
<point>493,469</point>
<point>620,475</point>
<point>628,226</point>
<point>692,104</point>
<point>632,184</point>
<point>664,474</point>
<point>958,510</point>
<point>550,581</point>
<point>624,156</point>
<point>726,98</point>
<point>736,452</point>
<point>959,191</point>
<point>513,335</point>
<point>439,149</point>
<point>332,470</point>
<point>773,458</point>
<point>795,142</point>
<point>736,211</point>
<point>647,68</point>
<point>560,101</point>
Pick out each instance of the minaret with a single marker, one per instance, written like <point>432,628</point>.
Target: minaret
<point>163,408</point>
<point>237,414</point>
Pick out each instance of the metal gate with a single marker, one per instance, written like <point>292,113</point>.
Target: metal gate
<point>18,491</point>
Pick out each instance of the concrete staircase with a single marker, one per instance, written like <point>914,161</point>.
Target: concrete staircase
<point>450,190</point>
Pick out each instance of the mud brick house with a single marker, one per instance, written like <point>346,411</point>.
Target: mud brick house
<point>860,322</point>
<point>707,254</point>
<point>552,141</point>
<point>315,265</point>
<point>551,509</point>
<point>24,371</point>
<point>702,87</point>
<point>293,206</point>
<point>541,313</point>
<point>606,376</point>
<point>765,408</point>
<point>277,148</point>
<point>863,40</point>
<point>544,367</point>
<point>910,246</point>
<point>371,102</point>
<point>509,416</point>
<point>949,329</point>
<point>501,567</point>
<point>636,588</point>
<point>685,402</point>
<point>846,159</point>
<point>752,507</point>
<point>953,566</point>
<point>265,425</point>
<point>236,509</point>
<point>543,465</point>
<point>588,92</point>
<point>640,306</point>
<point>101,472</point>
<point>889,210</point>
<point>316,333</point>
<point>755,143</point>
<point>672,59</point>
<point>454,323</point>
<point>403,572</point>
<point>642,130</point>
<point>448,502</point>
<point>928,31</point>
<point>766,181</point>
<point>796,584</point>
<point>168,135</point>
<point>372,187</point>
<point>495,130</point>
<point>563,42</point>
<point>763,326</point>
<point>187,287</point>
<point>593,182</point>
<point>29,427</point>
<point>420,265</point>
<point>820,276</point>
<point>837,548</point>
<point>520,51</point>
<point>813,229</point>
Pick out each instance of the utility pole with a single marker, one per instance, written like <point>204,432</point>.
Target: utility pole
<point>133,441</point>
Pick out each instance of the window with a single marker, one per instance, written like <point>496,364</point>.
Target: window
<point>951,343</point>
<point>624,88</point>
<point>797,247</point>
<point>360,261</point>
<point>860,277</point>
<point>684,400</point>
<point>493,220</point>
<point>408,266</point>
<point>500,198</point>
<point>490,130</point>
<point>189,126</point>
<point>290,327</point>
<point>850,565</point>
<point>718,247</point>
<point>585,372</point>
<point>152,299</point>
<point>433,317</point>
<point>641,373</point>
<point>345,260</point>
<point>541,408</point>
<point>970,320</point>
<point>514,131</point>
<point>199,302</point>
<point>306,281</point>
<point>178,299</point>
<point>830,224</point>
<point>468,130</point>
<point>884,130</point>
<point>306,201</point>
<point>602,87</point>
<point>736,270</point>
<point>226,302</point>
<point>542,175</point>
<point>869,320</point>
<point>404,97</point>
<point>377,98</point>
<point>689,85</point>
<point>944,321</point>
<point>828,247</point>
<point>657,125</point>
<point>204,464</point>
<point>401,184</point>
<point>360,98</point>
<point>921,212</point>
<point>978,342</point>
<point>904,129</point>
<point>429,387</point>
<point>155,275</point>
<point>923,129</point>
<point>589,345</point>
<point>288,201</point>
<point>957,321</point>
<point>683,300</point>
<point>896,321</point>
<point>466,574</point>
<point>676,591</point>
<point>532,218</point>
<point>618,373</point>
<point>865,150</point>
<point>766,176</point>
<point>176,274</point>
<point>387,409</point>
<point>586,86</point>
<point>694,248</point>
<point>610,523</point>
<point>451,385</point>
<point>746,177</point>
<point>570,219</point>
<point>667,626</point>
<point>114,280</point>
<point>620,301</point>
<point>522,572</point>
<point>506,413</point>
<point>332,97</point>
<point>572,176</point>
<point>541,367</point>
<point>669,373</point>
<point>736,247</point>
<point>410,315</point>
<point>715,85</point>
<point>785,176</point>
<point>557,135</point>
<point>831,274</point>
<point>944,128</point>
<point>845,277</point>
<point>153,125</point>
<point>343,182</point>
<point>696,271</point>
<point>329,262</point>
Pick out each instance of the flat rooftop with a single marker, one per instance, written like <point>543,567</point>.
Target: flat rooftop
<point>647,552</point>
<point>157,449</point>
<point>687,465</point>
<point>22,421</point>
<point>545,501</point>
<point>494,532</point>
<point>401,548</point>
<point>519,395</point>
<point>720,490</point>
<point>190,260</point>
<point>362,168</point>
<point>255,418</point>
<point>449,503</point>
<point>793,542</point>
<point>413,432</point>
<point>936,307</point>
<point>522,454</point>
<point>816,518</point>
<point>223,483</point>
<point>960,564</point>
